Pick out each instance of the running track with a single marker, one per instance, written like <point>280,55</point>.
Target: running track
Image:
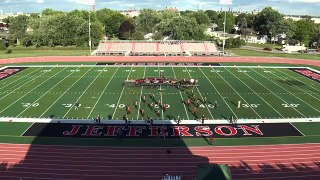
<point>21,161</point>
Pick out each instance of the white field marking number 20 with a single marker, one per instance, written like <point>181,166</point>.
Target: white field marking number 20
<point>250,105</point>
<point>30,105</point>
<point>290,105</point>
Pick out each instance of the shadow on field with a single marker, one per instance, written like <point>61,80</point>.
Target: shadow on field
<point>99,151</point>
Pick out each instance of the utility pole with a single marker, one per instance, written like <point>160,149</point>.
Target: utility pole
<point>90,44</point>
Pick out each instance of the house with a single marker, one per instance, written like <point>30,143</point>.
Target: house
<point>220,34</point>
<point>259,39</point>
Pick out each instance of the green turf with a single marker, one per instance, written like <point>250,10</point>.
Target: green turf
<point>44,51</point>
<point>42,92</point>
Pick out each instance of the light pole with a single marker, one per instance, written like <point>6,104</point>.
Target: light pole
<point>90,44</point>
<point>224,31</point>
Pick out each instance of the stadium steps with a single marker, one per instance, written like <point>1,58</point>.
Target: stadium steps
<point>133,50</point>
<point>109,47</point>
<point>206,48</point>
<point>182,47</point>
<point>158,47</point>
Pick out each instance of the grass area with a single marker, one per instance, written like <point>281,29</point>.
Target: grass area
<point>245,52</point>
<point>44,51</point>
<point>42,92</point>
<point>273,46</point>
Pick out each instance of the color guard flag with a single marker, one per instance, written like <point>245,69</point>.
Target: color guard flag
<point>226,2</point>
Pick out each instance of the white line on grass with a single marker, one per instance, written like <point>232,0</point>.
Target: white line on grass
<point>185,109</point>
<point>65,91</point>
<point>29,92</point>
<point>160,95</point>
<point>102,93</point>
<point>121,94</point>
<point>296,128</point>
<point>27,129</point>
<point>238,94</point>
<point>287,91</point>
<point>218,93</point>
<point>301,82</point>
<point>20,87</point>
<point>85,90</point>
<point>47,92</point>
<point>2,87</point>
<point>200,94</point>
<point>256,93</point>
<point>275,95</point>
<point>144,75</point>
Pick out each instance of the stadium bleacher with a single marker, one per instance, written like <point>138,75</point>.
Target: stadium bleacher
<point>157,48</point>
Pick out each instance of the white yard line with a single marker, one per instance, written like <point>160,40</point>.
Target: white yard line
<point>65,91</point>
<point>218,93</point>
<point>160,95</point>
<point>200,94</point>
<point>2,87</point>
<point>296,128</point>
<point>275,95</point>
<point>85,90</point>
<point>27,129</point>
<point>185,109</point>
<point>102,93</point>
<point>255,93</point>
<point>47,92</point>
<point>121,94</point>
<point>20,87</point>
<point>238,94</point>
<point>144,75</point>
<point>29,92</point>
<point>287,91</point>
<point>301,82</point>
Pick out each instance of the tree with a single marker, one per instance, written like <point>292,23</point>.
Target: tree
<point>212,15</point>
<point>266,21</point>
<point>50,12</point>
<point>181,28</point>
<point>138,35</point>
<point>234,43</point>
<point>18,26</point>
<point>147,20</point>
<point>200,16</point>
<point>230,22</point>
<point>126,29</point>
<point>242,20</point>
<point>305,31</point>
<point>111,21</point>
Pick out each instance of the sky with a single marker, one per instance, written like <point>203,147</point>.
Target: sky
<point>287,7</point>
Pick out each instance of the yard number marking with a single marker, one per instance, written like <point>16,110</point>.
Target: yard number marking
<point>216,71</point>
<point>189,70</point>
<point>250,105</point>
<point>74,70</point>
<point>129,70</point>
<point>156,70</point>
<point>290,105</point>
<point>123,106</point>
<point>70,105</point>
<point>26,105</point>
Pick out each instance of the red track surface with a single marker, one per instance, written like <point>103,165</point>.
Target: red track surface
<point>158,59</point>
<point>297,161</point>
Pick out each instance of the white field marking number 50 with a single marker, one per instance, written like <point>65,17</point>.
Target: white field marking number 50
<point>30,105</point>
<point>290,105</point>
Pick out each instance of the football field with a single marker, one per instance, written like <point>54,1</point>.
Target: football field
<point>265,92</point>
